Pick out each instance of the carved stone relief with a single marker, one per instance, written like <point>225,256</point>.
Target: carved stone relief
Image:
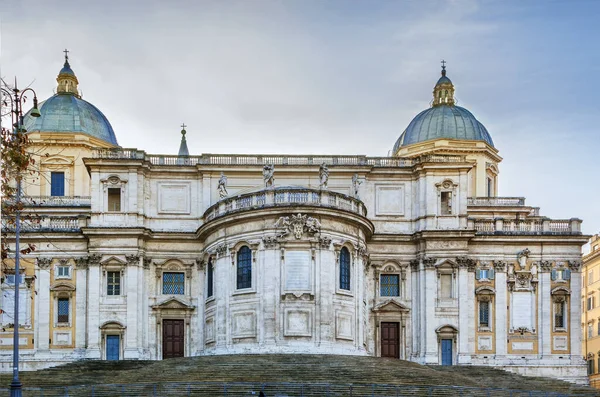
<point>44,263</point>
<point>298,225</point>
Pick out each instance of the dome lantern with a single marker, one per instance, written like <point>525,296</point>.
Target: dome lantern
<point>67,81</point>
<point>443,93</point>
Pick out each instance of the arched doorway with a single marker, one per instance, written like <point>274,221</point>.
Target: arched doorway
<point>447,344</point>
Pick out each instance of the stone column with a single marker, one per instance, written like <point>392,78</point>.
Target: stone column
<point>464,296</point>
<point>575,312</point>
<point>544,314</point>
<point>94,282</point>
<point>415,307</point>
<point>43,315</point>
<point>501,299</point>
<point>133,289</point>
<point>429,320</point>
<point>81,305</point>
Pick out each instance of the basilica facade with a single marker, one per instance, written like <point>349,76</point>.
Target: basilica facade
<point>412,256</point>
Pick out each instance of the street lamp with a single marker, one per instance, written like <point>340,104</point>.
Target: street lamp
<point>16,98</point>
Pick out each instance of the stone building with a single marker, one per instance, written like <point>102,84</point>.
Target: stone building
<point>590,310</point>
<point>413,256</point>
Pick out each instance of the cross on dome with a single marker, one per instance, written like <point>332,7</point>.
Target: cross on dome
<point>66,54</point>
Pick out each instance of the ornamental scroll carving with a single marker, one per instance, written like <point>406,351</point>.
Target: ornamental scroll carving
<point>44,263</point>
<point>298,225</point>
<point>81,262</point>
<point>465,261</point>
<point>221,250</point>
<point>428,262</point>
<point>132,259</point>
<point>94,259</point>
<point>325,242</point>
<point>545,266</point>
<point>499,266</point>
<point>414,265</point>
<point>574,265</point>
<point>270,241</point>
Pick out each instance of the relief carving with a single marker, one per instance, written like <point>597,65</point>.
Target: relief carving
<point>132,259</point>
<point>465,261</point>
<point>499,266</point>
<point>44,263</point>
<point>221,250</point>
<point>325,242</point>
<point>270,241</point>
<point>574,265</point>
<point>298,225</point>
<point>545,266</point>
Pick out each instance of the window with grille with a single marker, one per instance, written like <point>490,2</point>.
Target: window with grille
<point>345,269</point>
<point>484,314</point>
<point>63,310</point>
<point>173,283</point>
<point>209,279</point>
<point>446,203</point>
<point>244,268</point>
<point>113,283</point>
<point>559,315</point>
<point>390,285</point>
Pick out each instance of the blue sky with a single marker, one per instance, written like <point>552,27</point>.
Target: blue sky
<point>342,77</point>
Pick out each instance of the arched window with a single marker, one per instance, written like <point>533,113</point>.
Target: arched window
<point>209,278</point>
<point>244,268</point>
<point>345,269</point>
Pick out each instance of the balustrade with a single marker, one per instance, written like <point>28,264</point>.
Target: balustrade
<point>496,201</point>
<point>285,197</point>
<point>534,225</point>
<point>45,223</point>
<point>57,201</point>
<point>228,159</point>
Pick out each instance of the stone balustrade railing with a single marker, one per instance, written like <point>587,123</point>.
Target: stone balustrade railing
<point>525,226</point>
<point>257,159</point>
<point>496,201</point>
<point>57,201</point>
<point>285,196</point>
<point>46,223</point>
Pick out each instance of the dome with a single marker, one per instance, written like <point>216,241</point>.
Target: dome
<point>452,122</point>
<point>443,120</point>
<point>68,113</point>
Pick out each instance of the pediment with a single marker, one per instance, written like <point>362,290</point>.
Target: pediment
<point>62,286</point>
<point>173,304</point>
<point>113,260</point>
<point>390,305</point>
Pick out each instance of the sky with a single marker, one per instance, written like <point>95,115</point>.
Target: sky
<point>332,77</point>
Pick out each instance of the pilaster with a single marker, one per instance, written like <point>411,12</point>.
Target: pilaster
<point>501,322</point>
<point>43,315</point>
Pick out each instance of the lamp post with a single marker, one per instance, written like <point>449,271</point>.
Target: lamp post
<point>16,98</point>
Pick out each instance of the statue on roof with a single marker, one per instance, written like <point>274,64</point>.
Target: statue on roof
<point>355,184</point>
<point>268,171</point>
<point>222,186</point>
<point>323,176</point>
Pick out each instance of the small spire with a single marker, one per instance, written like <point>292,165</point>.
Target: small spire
<point>183,149</point>
<point>67,81</point>
<point>443,93</point>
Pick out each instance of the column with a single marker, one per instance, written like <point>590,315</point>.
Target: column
<point>464,296</point>
<point>81,305</point>
<point>544,314</point>
<point>575,314</point>
<point>501,322</point>
<point>43,315</point>
<point>428,312</point>
<point>131,289</point>
<point>94,310</point>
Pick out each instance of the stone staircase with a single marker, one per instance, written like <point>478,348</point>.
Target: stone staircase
<point>283,375</point>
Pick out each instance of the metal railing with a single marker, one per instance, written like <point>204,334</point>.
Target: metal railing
<point>264,159</point>
<point>285,196</point>
<point>279,389</point>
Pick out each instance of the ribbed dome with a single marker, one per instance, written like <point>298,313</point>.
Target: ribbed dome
<point>68,113</point>
<point>452,122</point>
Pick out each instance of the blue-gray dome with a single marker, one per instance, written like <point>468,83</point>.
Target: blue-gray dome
<point>68,113</point>
<point>444,80</point>
<point>67,69</point>
<point>444,121</point>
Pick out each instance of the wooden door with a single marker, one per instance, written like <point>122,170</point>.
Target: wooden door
<point>446,351</point>
<point>173,338</point>
<point>390,340</point>
<point>113,347</point>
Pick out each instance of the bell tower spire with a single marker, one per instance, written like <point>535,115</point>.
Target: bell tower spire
<point>67,81</point>
<point>443,93</point>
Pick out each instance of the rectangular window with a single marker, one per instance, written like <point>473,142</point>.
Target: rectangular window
<point>63,271</point>
<point>390,285</point>
<point>559,315</point>
<point>57,183</point>
<point>590,367</point>
<point>490,187</point>
<point>590,302</point>
<point>173,283</point>
<point>445,286</point>
<point>63,310</point>
<point>590,330</point>
<point>591,277</point>
<point>209,281</point>
<point>484,314</point>
<point>113,283</point>
<point>446,203</point>
<point>114,199</point>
